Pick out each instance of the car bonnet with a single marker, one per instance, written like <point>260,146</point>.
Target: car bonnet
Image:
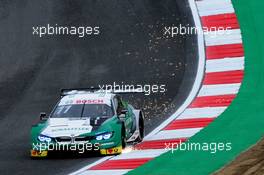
<point>67,127</point>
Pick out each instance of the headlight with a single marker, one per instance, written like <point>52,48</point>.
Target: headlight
<point>99,137</point>
<point>107,136</point>
<point>44,138</point>
<point>104,136</point>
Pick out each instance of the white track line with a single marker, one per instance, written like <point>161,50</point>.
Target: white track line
<point>220,89</point>
<point>209,112</point>
<point>213,7</point>
<point>222,37</point>
<point>149,153</point>
<point>104,172</point>
<point>174,134</point>
<point>80,171</point>
<point>226,64</point>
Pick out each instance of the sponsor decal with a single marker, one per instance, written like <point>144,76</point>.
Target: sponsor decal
<point>90,101</point>
<point>70,129</point>
<point>108,143</point>
<point>35,153</point>
<point>115,150</point>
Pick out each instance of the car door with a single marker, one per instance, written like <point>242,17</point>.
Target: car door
<point>127,119</point>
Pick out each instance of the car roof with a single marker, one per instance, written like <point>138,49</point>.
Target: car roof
<point>87,98</point>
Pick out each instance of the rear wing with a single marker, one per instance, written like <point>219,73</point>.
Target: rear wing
<point>73,91</point>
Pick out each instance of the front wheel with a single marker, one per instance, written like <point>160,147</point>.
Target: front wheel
<point>123,139</point>
<point>141,129</point>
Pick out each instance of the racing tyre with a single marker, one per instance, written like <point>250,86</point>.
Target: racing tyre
<point>141,129</point>
<point>123,138</point>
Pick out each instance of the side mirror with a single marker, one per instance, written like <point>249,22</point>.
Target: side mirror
<point>43,116</point>
<point>122,115</point>
<point>124,111</point>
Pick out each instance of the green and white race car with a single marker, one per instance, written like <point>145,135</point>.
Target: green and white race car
<point>87,120</point>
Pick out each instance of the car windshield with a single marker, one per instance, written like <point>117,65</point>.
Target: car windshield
<point>82,110</point>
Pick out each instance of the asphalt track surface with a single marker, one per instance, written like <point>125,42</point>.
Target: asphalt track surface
<point>131,48</point>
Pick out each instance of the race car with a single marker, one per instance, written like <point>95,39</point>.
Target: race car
<point>87,120</point>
